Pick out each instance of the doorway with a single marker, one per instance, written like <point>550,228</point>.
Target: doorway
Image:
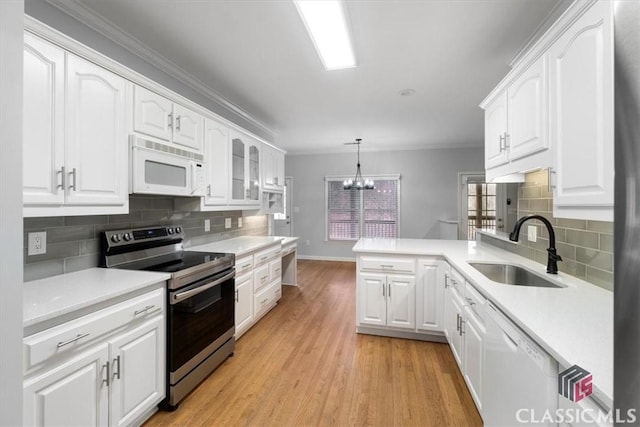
<point>282,222</point>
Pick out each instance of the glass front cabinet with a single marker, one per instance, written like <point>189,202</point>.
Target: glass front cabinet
<point>245,169</point>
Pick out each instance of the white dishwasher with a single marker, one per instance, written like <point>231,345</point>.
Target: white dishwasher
<point>520,378</point>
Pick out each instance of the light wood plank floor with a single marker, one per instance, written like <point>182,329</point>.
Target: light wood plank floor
<point>304,364</point>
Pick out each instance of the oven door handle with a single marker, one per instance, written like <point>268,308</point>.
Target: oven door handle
<point>181,296</point>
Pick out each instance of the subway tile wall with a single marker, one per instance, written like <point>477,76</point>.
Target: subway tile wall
<point>586,247</point>
<point>73,241</point>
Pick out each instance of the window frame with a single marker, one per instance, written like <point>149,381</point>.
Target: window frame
<point>361,221</point>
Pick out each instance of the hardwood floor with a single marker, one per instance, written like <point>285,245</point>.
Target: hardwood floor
<point>304,364</point>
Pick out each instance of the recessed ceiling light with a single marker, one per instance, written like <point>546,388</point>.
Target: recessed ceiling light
<point>327,25</point>
<point>407,92</point>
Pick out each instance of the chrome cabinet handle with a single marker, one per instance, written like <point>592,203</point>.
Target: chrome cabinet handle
<point>63,179</point>
<point>502,143</point>
<point>458,322</point>
<point>386,266</point>
<point>446,280</point>
<point>384,291</point>
<point>550,185</point>
<point>471,302</point>
<point>507,138</point>
<point>246,266</point>
<point>107,379</point>
<point>237,296</point>
<point>462,322</point>
<point>389,290</point>
<point>116,374</point>
<point>144,310</point>
<point>72,340</point>
<point>170,117</point>
<point>178,123</point>
<point>73,174</point>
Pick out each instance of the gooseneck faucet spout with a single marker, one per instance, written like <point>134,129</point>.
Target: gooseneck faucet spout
<point>553,257</point>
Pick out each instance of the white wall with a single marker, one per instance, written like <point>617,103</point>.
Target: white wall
<point>428,191</point>
<point>11,18</point>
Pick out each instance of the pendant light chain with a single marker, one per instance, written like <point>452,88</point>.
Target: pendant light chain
<point>358,182</point>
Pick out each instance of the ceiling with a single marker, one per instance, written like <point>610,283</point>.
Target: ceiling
<point>258,56</point>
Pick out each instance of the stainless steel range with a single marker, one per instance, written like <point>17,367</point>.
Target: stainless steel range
<point>200,320</point>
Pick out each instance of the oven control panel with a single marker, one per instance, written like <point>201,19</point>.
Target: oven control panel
<point>138,235</point>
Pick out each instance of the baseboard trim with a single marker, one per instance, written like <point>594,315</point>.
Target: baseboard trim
<point>325,258</point>
<point>420,336</point>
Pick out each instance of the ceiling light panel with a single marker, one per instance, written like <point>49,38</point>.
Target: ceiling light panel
<point>327,25</point>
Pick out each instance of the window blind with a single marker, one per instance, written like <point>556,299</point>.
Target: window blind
<point>367,213</point>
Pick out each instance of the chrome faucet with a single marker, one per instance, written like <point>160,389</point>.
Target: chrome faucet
<point>553,257</point>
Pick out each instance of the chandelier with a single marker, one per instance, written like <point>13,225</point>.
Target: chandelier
<point>358,182</point>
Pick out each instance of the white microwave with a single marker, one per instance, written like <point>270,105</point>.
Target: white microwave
<point>162,169</point>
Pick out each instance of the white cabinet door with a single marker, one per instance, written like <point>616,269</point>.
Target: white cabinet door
<point>244,304</point>
<point>495,128</point>
<point>137,371</point>
<point>372,300</point>
<point>582,116</point>
<point>43,122</point>
<point>473,333</point>
<point>430,296</point>
<point>152,114</point>
<point>217,156</point>
<point>74,393</point>
<point>268,168</point>
<point>279,169</point>
<point>527,114</point>
<point>245,169</point>
<point>187,127</point>
<point>454,317</point>
<point>254,192</point>
<point>401,301</point>
<point>238,176</point>
<point>96,150</point>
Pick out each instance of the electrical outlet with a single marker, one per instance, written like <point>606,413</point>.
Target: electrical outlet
<point>240,222</point>
<point>207,225</point>
<point>227,223</point>
<point>37,243</point>
<point>532,232</point>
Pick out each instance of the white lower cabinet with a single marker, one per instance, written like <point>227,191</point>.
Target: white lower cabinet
<point>73,393</point>
<point>74,379</point>
<point>453,310</point>
<point>258,286</point>
<point>430,295</point>
<point>387,300</point>
<point>244,303</point>
<point>473,331</point>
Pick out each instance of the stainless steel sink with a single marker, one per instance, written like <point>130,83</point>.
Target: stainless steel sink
<point>512,275</point>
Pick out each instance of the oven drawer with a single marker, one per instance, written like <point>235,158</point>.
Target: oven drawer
<point>75,334</point>
<point>260,277</point>
<point>266,255</point>
<point>244,264</point>
<point>264,301</point>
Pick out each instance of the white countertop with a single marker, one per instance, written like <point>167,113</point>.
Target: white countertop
<point>573,324</point>
<point>56,296</point>
<point>242,245</point>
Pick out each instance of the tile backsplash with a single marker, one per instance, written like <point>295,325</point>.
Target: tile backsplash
<point>586,247</point>
<point>73,241</point>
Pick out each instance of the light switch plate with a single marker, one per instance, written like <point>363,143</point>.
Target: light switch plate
<point>532,232</point>
<point>227,223</point>
<point>37,243</point>
<point>240,222</point>
<point>207,225</point>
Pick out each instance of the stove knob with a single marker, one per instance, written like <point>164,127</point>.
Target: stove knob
<point>126,236</point>
<point>170,230</point>
<point>178,230</point>
<point>115,238</point>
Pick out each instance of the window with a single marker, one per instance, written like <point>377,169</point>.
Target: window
<point>368,213</point>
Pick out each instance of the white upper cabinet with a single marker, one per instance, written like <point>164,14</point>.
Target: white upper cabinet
<point>495,131</point>
<point>96,154</point>
<point>245,169</point>
<point>43,125</point>
<point>75,142</point>
<point>272,169</point>
<point>582,116</point>
<point>516,122</point>
<point>216,148</point>
<point>158,116</point>
<point>527,118</point>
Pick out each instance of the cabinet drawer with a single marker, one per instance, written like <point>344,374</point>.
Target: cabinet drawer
<point>266,255</point>
<point>263,301</point>
<point>475,301</point>
<point>275,269</point>
<point>244,264</point>
<point>454,279</point>
<point>396,265</point>
<point>70,336</point>
<point>260,277</point>
<point>287,249</point>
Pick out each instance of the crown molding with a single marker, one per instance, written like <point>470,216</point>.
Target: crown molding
<point>79,11</point>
